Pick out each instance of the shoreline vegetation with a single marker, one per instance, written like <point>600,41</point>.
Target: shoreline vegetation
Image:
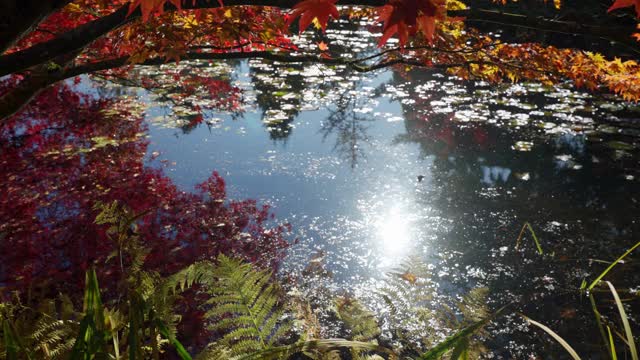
<point>250,314</point>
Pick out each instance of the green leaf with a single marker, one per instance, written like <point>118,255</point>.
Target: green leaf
<point>533,234</point>
<point>164,331</point>
<point>595,282</point>
<point>599,321</point>
<point>625,322</point>
<point>458,338</point>
<point>612,346</point>
<point>91,337</point>
<point>136,321</point>
<point>10,341</point>
<point>461,350</point>
<point>557,337</point>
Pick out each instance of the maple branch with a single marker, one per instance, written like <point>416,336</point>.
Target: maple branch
<point>83,35</point>
<point>267,55</point>
<point>20,17</point>
<point>41,77</point>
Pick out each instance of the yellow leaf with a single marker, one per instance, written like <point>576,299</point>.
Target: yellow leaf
<point>316,23</point>
<point>228,14</point>
<point>74,8</point>
<point>411,278</point>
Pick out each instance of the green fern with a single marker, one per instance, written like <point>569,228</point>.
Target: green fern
<point>416,320</point>
<point>473,314</point>
<point>245,307</point>
<point>361,323</point>
<point>408,294</point>
<point>123,232</point>
<point>160,294</point>
<point>54,333</point>
<point>43,332</point>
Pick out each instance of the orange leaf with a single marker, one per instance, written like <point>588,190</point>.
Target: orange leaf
<point>626,3</point>
<point>410,277</point>
<point>323,46</point>
<point>308,10</point>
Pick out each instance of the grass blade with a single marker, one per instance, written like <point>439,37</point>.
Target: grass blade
<point>458,338</point>
<point>520,236</point>
<point>461,351</point>
<point>557,337</point>
<point>599,321</point>
<point>90,339</point>
<point>533,234</point>
<point>612,346</point>
<point>597,280</point>
<point>164,331</point>
<point>10,342</point>
<point>625,322</point>
<point>535,238</point>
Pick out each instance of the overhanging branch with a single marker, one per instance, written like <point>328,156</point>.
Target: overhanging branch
<point>78,38</point>
<point>83,35</point>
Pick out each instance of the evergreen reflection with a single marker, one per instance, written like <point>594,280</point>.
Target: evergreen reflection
<point>349,122</point>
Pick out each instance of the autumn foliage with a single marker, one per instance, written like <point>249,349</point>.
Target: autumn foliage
<point>63,150</point>
<point>67,152</point>
<point>107,37</point>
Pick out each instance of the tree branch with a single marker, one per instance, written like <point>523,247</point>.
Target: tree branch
<point>83,35</point>
<point>619,34</point>
<point>19,17</point>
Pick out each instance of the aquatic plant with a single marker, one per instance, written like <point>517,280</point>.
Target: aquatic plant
<point>609,343</point>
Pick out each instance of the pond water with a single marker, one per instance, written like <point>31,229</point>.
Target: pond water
<point>374,169</point>
<point>397,164</point>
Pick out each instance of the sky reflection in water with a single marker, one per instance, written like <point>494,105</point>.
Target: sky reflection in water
<point>344,174</point>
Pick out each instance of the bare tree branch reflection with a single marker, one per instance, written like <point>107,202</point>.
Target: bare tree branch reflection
<point>350,125</point>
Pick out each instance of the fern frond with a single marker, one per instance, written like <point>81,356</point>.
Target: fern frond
<point>360,321</point>
<point>213,352</point>
<point>245,306</point>
<point>408,294</point>
<point>474,305</point>
<point>197,272</point>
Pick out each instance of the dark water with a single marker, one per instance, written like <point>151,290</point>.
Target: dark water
<point>373,169</point>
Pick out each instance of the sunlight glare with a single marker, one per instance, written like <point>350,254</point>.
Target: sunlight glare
<point>393,236</point>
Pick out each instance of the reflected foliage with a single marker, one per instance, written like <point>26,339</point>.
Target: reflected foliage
<point>71,150</point>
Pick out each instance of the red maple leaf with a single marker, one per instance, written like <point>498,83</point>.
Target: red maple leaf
<point>147,7</point>
<point>407,17</point>
<point>626,3</point>
<point>308,10</point>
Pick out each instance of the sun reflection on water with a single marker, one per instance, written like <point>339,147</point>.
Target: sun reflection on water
<point>393,236</point>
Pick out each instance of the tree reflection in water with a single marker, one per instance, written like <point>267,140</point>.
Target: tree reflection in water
<point>71,150</point>
<point>349,122</point>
